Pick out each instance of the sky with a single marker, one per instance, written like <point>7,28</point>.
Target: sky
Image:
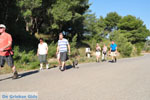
<point>138,8</point>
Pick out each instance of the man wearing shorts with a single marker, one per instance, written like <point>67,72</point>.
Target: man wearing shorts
<point>42,53</point>
<point>113,51</point>
<point>6,50</point>
<point>63,44</point>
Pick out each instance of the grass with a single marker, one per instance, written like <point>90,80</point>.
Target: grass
<point>53,62</point>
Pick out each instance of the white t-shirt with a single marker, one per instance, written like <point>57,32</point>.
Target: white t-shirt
<point>42,48</point>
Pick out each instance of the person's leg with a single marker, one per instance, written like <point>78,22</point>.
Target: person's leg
<point>41,66</point>
<point>115,57</point>
<point>99,58</point>
<point>112,56</point>
<point>45,61</point>
<point>59,61</point>
<point>10,62</point>
<point>102,56</point>
<point>96,58</point>
<point>63,65</point>
<point>105,57</point>
<point>64,59</point>
<point>15,76</point>
<point>47,65</point>
<point>1,62</point>
<point>41,61</point>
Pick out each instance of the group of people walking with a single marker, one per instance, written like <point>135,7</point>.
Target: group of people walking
<point>112,52</point>
<point>63,49</point>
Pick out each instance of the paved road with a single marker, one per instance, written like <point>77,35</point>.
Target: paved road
<point>128,79</point>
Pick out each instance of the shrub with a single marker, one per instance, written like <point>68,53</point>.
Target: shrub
<point>139,47</point>
<point>124,47</point>
<point>147,46</point>
<point>52,50</point>
<point>25,60</point>
<point>73,44</point>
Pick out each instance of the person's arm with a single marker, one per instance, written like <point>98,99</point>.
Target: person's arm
<point>8,45</point>
<point>57,50</point>
<point>69,48</point>
<point>46,49</point>
<point>116,50</point>
<point>37,52</point>
<point>110,49</point>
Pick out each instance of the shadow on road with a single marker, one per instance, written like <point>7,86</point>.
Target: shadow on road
<point>28,73</point>
<point>70,66</point>
<point>6,78</point>
<point>110,61</point>
<point>22,75</point>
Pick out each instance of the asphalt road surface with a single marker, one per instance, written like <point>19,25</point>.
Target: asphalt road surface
<point>128,79</point>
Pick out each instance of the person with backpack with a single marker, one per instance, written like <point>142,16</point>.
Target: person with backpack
<point>6,50</point>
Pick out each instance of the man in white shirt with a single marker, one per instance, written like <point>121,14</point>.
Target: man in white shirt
<point>42,53</point>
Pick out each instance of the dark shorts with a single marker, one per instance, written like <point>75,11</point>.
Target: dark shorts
<point>8,59</point>
<point>63,56</point>
<point>104,53</point>
<point>43,58</point>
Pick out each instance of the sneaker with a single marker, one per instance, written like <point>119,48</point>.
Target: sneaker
<point>15,76</point>
<point>62,69</point>
<point>47,66</point>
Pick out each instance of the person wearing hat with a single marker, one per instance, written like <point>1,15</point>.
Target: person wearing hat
<point>6,50</point>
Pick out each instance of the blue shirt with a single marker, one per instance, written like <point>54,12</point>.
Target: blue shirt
<point>63,45</point>
<point>113,47</point>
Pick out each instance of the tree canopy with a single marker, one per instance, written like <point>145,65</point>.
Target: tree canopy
<point>25,18</point>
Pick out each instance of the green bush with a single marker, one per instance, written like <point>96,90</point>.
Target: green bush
<point>139,47</point>
<point>74,51</point>
<point>52,50</point>
<point>147,46</point>
<point>25,60</point>
<point>124,47</point>
<point>138,50</point>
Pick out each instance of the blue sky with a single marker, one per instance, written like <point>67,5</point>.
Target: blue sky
<point>138,8</point>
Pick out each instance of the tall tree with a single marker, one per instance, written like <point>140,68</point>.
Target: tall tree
<point>111,20</point>
<point>133,28</point>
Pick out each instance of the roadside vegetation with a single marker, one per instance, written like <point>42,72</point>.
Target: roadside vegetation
<point>30,20</point>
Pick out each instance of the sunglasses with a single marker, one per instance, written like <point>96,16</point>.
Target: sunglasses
<point>1,27</point>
